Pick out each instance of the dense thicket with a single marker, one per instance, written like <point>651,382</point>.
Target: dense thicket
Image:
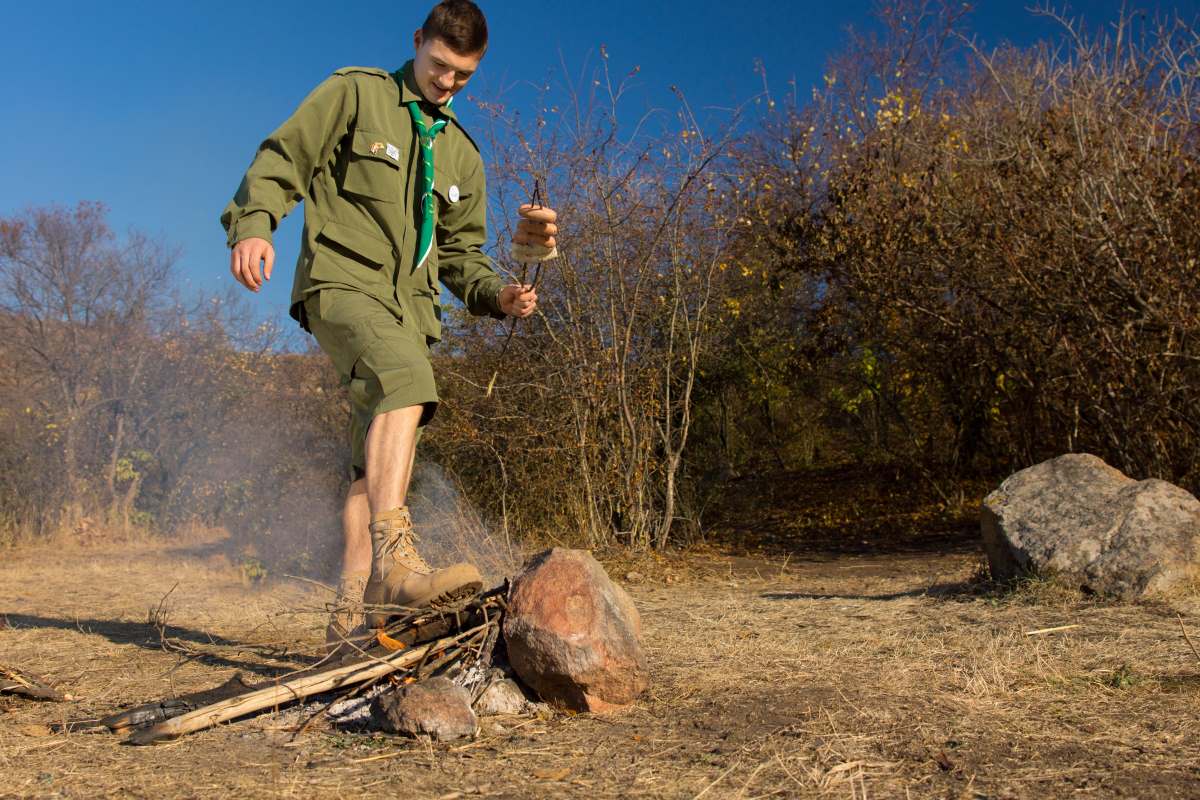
<point>997,251</point>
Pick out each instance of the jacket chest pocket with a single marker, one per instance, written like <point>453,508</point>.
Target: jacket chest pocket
<point>373,168</point>
<point>449,191</point>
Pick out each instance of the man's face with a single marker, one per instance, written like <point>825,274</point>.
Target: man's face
<point>439,71</point>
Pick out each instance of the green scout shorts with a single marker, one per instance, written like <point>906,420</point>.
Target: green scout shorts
<point>384,362</point>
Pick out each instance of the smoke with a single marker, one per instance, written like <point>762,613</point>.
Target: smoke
<point>450,529</point>
<point>304,530</point>
<point>289,515</point>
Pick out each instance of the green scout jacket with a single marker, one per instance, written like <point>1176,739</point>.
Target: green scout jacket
<point>351,152</point>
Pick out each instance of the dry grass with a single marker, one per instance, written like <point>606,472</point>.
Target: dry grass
<point>854,677</point>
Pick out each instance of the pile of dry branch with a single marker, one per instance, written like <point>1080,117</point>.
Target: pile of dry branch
<point>416,644</point>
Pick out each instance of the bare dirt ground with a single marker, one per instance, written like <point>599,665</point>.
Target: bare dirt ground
<point>850,676</point>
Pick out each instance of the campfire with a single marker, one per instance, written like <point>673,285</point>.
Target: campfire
<point>415,645</point>
<point>561,629</point>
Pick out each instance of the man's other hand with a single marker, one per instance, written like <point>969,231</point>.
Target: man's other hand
<point>518,301</point>
<point>250,261</point>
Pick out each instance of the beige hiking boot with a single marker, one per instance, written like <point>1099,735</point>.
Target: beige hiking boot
<point>400,577</point>
<point>346,617</point>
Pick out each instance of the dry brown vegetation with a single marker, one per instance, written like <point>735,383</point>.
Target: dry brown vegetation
<point>995,250</point>
<point>948,260</point>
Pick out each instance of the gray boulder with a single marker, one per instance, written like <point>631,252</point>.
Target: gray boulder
<point>502,696</point>
<point>436,707</point>
<point>573,635</point>
<point>1086,522</point>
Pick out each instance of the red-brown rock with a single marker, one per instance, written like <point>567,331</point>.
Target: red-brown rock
<point>573,635</point>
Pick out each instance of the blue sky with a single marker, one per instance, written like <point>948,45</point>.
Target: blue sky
<point>156,108</point>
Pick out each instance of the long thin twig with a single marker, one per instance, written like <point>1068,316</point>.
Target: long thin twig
<point>15,681</point>
<point>1055,629</point>
<point>1187,638</point>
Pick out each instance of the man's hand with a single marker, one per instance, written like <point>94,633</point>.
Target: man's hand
<point>536,231</point>
<point>250,260</point>
<point>518,301</point>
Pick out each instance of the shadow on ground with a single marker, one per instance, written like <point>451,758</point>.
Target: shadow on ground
<point>842,511</point>
<point>959,590</point>
<point>147,636</point>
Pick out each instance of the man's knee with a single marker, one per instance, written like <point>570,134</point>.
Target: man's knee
<point>405,415</point>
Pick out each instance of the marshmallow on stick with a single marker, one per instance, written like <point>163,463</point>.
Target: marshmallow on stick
<point>534,239</point>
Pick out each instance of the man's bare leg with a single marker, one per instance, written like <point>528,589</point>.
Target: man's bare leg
<point>356,539</point>
<point>399,576</point>
<point>356,568</point>
<point>390,453</point>
<point>391,449</point>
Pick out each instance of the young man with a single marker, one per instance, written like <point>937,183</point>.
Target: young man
<point>394,202</point>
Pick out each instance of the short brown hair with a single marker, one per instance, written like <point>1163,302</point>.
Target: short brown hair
<point>458,23</point>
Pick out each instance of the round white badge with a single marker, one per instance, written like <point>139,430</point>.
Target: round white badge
<point>453,194</point>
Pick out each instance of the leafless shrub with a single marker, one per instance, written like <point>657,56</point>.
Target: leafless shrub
<point>589,422</point>
<point>123,406</point>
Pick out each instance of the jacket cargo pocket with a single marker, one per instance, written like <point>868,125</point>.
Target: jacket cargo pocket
<point>349,256</point>
<point>373,169</point>
<point>342,326</point>
<point>427,314</point>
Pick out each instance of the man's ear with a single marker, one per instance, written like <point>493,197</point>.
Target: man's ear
<point>417,39</point>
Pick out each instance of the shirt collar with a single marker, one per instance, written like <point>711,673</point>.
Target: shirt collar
<point>410,92</point>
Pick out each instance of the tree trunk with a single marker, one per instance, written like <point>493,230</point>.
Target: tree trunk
<point>73,500</point>
<point>115,502</point>
<point>129,501</point>
<point>668,513</point>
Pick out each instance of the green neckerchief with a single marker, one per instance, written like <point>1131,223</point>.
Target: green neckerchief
<point>426,137</point>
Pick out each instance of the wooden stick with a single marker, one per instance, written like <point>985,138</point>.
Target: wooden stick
<point>1040,631</point>
<point>287,692</point>
<point>23,683</point>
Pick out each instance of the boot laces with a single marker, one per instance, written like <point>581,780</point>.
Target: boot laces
<point>349,594</point>
<point>401,547</point>
<point>346,610</point>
